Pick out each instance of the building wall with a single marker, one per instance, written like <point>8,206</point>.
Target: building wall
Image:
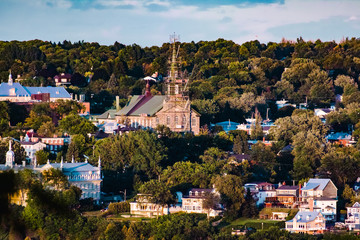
<point>330,190</point>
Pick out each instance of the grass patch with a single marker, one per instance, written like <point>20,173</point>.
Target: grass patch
<point>242,223</point>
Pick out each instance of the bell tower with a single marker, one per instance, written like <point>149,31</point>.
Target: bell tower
<point>10,157</point>
<point>10,80</point>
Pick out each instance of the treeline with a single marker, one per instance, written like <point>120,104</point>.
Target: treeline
<point>220,71</point>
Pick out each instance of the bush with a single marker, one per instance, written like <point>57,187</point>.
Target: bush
<point>119,207</point>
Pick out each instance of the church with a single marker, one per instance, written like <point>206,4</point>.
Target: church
<point>15,92</point>
<point>81,174</point>
<point>172,109</point>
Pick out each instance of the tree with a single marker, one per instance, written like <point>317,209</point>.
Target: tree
<point>41,157</point>
<point>249,209</point>
<point>256,129</point>
<point>308,150</point>
<point>340,166</point>
<point>232,193</point>
<point>66,107</point>
<point>210,202</point>
<point>74,124</point>
<point>159,193</point>
<point>47,129</point>
<point>56,178</point>
<point>35,120</point>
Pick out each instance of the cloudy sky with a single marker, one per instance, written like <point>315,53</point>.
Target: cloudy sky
<point>150,22</point>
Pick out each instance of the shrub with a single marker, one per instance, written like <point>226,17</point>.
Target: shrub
<point>119,207</point>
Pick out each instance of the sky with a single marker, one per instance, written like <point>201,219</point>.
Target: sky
<point>151,22</point>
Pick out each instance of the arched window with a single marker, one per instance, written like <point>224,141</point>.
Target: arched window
<point>168,120</point>
<point>176,119</point>
<point>184,120</point>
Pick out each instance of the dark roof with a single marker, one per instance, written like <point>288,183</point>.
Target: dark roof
<point>287,187</point>
<point>240,157</point>
<point>101,134</point>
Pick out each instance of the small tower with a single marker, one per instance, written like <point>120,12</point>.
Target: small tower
<point>62,163</point>
<point>10,81</point>
<point>72,159</point>
<point>99,162</point>
<point>10,157</point>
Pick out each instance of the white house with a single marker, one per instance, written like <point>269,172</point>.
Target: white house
<point>321,195</point>
<point>261,191</point>
<point>31,148</point>
<point>353,217</point>
<point>307,222</point>
<point>193,203</point>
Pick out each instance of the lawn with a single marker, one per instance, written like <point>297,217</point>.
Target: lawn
<point>241,223</point>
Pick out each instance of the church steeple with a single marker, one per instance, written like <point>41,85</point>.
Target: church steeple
<point>10,81</point>
<point>10,157</point>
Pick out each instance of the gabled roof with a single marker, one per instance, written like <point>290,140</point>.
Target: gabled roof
<point>141,104</point>
<point>316,183</point>
<point>109,114</point>
<point>305,216</point>
<point>356,205</point>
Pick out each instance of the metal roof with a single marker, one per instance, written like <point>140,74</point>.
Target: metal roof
<point>141,104</point>
<point>19,90</point>
<point>55,92</point>
<point>319,183</point>
<point>305,216</point>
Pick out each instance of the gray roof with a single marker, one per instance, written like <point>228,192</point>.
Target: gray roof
<point>55,92</point>
<point>73,167</point>
<point>305,216</point>
<point>288,187</point>
<point>19,90</point>
<point>141,104</point>
<point>318,183</point>
<point>109,114</point>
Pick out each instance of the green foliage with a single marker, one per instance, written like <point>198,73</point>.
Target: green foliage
<point>41,157</point>
<point>74,124</point>
<point>120,207</point>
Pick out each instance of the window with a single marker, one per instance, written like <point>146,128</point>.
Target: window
<point>193,122</point>
<point>157,121</point>
<point>168,120</point>
<point>176,119</point>
<point>184,119</point>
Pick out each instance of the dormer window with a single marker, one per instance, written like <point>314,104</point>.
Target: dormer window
<point>12,91</point>
<point>196,193</point>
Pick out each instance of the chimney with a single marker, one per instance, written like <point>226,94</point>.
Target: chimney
<point>311,204</point>
<point>117,103</point>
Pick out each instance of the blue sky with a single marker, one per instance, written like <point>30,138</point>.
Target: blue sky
<point>151,22</point>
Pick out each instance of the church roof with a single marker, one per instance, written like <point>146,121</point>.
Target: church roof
<point>141,104</point>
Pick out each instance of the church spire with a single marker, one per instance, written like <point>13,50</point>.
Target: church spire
<point>10,81</point>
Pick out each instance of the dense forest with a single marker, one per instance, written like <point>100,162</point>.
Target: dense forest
<point>227,79</point>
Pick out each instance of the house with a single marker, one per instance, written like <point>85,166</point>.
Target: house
<point>307,222</point>
<point>279,216</point>
<point>31,148</point>
<point>15,92</point>
<point>193,203</point>
<point>143,207</point>
<point>286,196</point>
<point>340,138</point>
<point>62,79</point>
<point>250,123</point>
<point>322,112</point>
<point>55,144</point>
<point>261,191</point>
<point>322,194</point>
<point>353,217</point>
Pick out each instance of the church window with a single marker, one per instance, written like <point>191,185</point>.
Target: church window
<point>176,119</point>
<point>168,120</point>
<point>184,120</point>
